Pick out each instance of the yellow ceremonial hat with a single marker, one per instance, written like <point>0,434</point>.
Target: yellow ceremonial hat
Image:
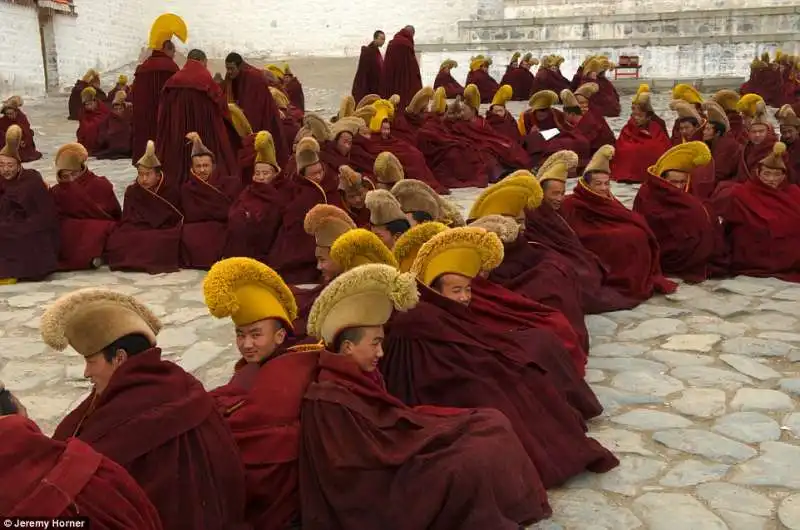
<point>687,93</point>
<point>13,141</point>
<point>448,63</point>
<point>419,103</point>
<point>387,169</point>
<point>164,28</point>
<point>281,100</point>
<point>503,95</point>
<point>248,291</point>
<point>600,161</point>
<point>642,98</point>
<point>727,99</point>
<point>407,245</point>
<point>510,196</point>
<point>748,104</point>
<point>347,106</point>
<point>265,149</point>
<point>327,223</point>
<point>507,229</point>
<point>383,207</point>
<point>416,196</point>
<point>359,247</point>
<point>774,160</point>
<point>716,114</point>
<point>122,79</point>
<point>476,62</point>
<point>683,157</point>
<point>472,96</point>
<point>543,99</point>
<point>466,251</point>
<point>276,70</point>
<point>88,94</point>
<point>440,100</point>
<point>240,121</point>
<point>557,166</point>
<point>384,110</point>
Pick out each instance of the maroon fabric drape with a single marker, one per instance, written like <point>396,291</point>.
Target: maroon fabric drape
<point>767,83</point>
<point>521,82</point>
<point>294,90</point>
<point>114,137</point>
<point>793,159</point>
<point>594,127</point>
<point>637,149</point>
<point>401,74</point>
<point>554,118</point>
<point>606,100</point>
<point>89,125</point>
<point>76,104</point>
<point>475,471</point>
<point>253,222</point>
<point>455,163</point>
<point>726,152</point>
<point>568,138</point>
<point>481,135</point>
<point>547,79</point>
<point>148,80</point>
<point>737,130</point>
<point>88,211</point>
<point>369,72</point>
<point>505,125</point>
<point>751,155</point>
<point>366,150</point>
<point>117,88</point>
<point>29,229</point>
<point>50,478</point>
<point>487,85</point>
<point>27,147</point>
<point>452,88</point>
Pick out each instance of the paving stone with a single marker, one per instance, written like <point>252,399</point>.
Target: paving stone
<point>631,473</point>
<point>660,311</point>
<point>700,402</point>
<point>765,320</point>
<point>600,325</point>
<point>613,399</point>
<point>676,358</point>
<point>710,377</point>
<point>650,329</point>
<point>748,427</point>
<point>716,325</point>
<point>668,511</point>
<point>594,376</point>
<point>723,306</point>
<point>744,287</point>
<point>620,441</point>
<point>692,472</point>
<point>789,512</point>
<point>200,354</point>
<point>756,347</point>
<point>178,337</point>
<point>25,375</point>
<point>761,399</point>
<point>34,299</point>
<point>777,465</point>
<point>184,315</point>
<point>780,335</point>
<point>625,364</point>
<point>750,367</point>
<point>722,496</point>
<point>701,342</point>
<point>21,348</point>
<point>652,420</point>
<point>790,385</point>
<point>789,308</point>
<point>686,293</point>
<point>647,383</point>
<point>618,349</point>
<point>573,508</point>
<point>743,521</point>
<point>704,443</point>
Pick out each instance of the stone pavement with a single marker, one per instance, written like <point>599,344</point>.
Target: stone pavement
<point>699,387</point>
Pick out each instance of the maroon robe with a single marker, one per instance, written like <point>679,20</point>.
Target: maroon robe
<point>157,421</point>
<point>294,90</point>
<point>552,121</point>
<point>751,156</point>
<point>453,160</point>
<point>521,82</point>
<point>547,79</point>
<point>637,149</point>
<point>452,88</point>
<point>117,88</point>
<point>148,81</point>
<point>793,158</point>
<point>366,150</point>
<point>507,153</point>
<point>88,211</point>
<point>594,127</point>
<point>606,100</point>
<point>737,129</point>
<point>487,85</point>
<point>49,478</point>
<point>766,82</point>
<point>29,228</point>
<point>148,237</point>
<point>475,473</point>
<point>76,103</point>
<point>568,138</point>
<point>369,72</point>
<point>621,238</point>
<point>505,125</point>
<point>205,206</point>
<point>440,353</point>
<point>27,147</point>
<point>725,157</point>
<point>192,101</point>
<point>253,222</point>
<point>401,74</point>
<point>89,125</point>
<point>114,137</point>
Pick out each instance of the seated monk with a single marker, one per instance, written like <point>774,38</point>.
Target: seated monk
<point>48,478</point>
<point>729,101</point>
<point>762,222</point>
<point>689,124</point>
<point>120,86</point>
<point>540,114</point>
<point>500,118</point>
<point>445,79</point>
<point>401,72</point>
<point>520,78</point>
<point>419,202</point>
<point>261,403</point>
<point>479,76</point>
<point>206,198</point>
<point>593,124</point>
<point>353,187</point>
<point>687,233</point>
<point>370,68</point>
<point>335,151</point>
<point>29,242</point>
<point>148,237</point>
<point>465,457</point>
<point>549,76</point>
<point>90,79</point>
<point>761,139</point>
<point>620,237</point>
<point>406,122</point>
<point>254,217</point>
<point>115,131</point>
<point>790,135</point>
<point>725,153</point>
<point>641,141</point>
<point>543,117</point>
<point>147,414</point>
<point>606,100</point>
<point>750,106</point>
<point>386,218</point>
<point>88,210</point>
<point>90,120</point>
<point>11,114</point>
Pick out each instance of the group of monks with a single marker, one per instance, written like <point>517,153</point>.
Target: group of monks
<point>777,80</point>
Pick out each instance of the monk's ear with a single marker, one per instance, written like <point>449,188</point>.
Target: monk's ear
<point>120,356</point>
<point>280,336</point>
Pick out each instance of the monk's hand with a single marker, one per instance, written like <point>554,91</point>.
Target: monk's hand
<point>534,129</point>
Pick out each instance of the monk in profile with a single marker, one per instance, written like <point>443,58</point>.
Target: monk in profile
<point>419,202</point>
<point>291,116</point>
<point>386,218</point>
<point>641,141</point>
<point>445,79</point>
<point>145,413</point>
<point>725,152</point>
<point>500,118</point>
<point>293,89</point>
<point>88,210</point>
<point>479,76</point>
<point>401,73</point>
<point>729,101</point>
<point>11,114</point>
<point>354,187</point>
<point>115,133</point>
<point>547,130</point>
<point>606,100</point>
<point>370,67</point>
<point>621,238</point>
<point>790,135</point>
<point>120,86</point>
<point>29,240</point>
<point>689,124</point>
<point>90,79</point>
<point>548,76</point>
<point>148,236</point>
<point>90,120</point>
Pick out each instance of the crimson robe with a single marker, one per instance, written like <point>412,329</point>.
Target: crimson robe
<point>114,137</point>
<point>606,100</point>
<point>75,102</point>
<point>554,118</point>
<point>149,78</point>
<point>205,206</point>
<point>452,88</point>
<point>475,473</point>
<point>49,478</point>
<point>27,147</point>
<point>117,88</point>
<point>505,125</point>
<point>366,150</point>
<point>157,421</point>
<point>440,353</point>
<point>253,221</point>
<point>637,149</point>
<point>737,129</point>
<point>191,101</point>
<point>547,79</point>
<point>621,238</point>
<point>29,242</point>
<point>369,72</point>
<point>594,127</point>
<point>148,237</point>
<point>453,160</point>
<point>724,166</point>
<point>568,138</point>
<point>766,82</point>
<point>793,158</point>
<point>88,211</point>
<point>751,156</point>
<point>521,82</point>
<point>401,73</point>
<point>509,154</point>
<point>487,85</point>
<point>294,90</point>
<point>89,124</point>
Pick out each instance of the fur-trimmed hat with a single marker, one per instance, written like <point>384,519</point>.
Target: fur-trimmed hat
<point>683,157</point>
<point>569,101</point>
<point>363,296</point>
<point>122,80</point>
<point>419,103</point>
<point>120,96</point>
<point>716,114</point>
<point>367,100</point>
<point>416,196</point>
<point>472,96</point>
<point>511,196</point>
<point>596,64</point>
<point>384,110</point>
<point>685,110</point>
<point>383,207</point>
<point>466,251</point>
<point>198,148</point>
<point>507,229</point>
<point>477,62</point>
<point>601,161</point>
<point>281,99</point>
<point>149,158</point>
<point>515,57</point>
<point>557,166</point>
<point>14,102</point>
<point>349,124</point>
<point>502,96</point>
<point>774,160</point>
<point>326,223</point>
<point>727,99</point>
<point>88,94</point>
<point>307,153</point>
<point>394,99</point>
<point>91,319</point>
<point>358,247</point>
<point>365,114</point>
<point>248,291</point>
<point>71,157</point>
<point>265,150</point>
<point>448,63</point>
<point>408,244</point>
<point>164,28</point>
<point>319,128</point>
<point>642,98</point>
<point>687,93</point>
<point>748,104</point>
<point>275,70</point>
<point>240,121</point>
<point>90,75</point>
<point>587,90</point>
<point>760,117</point>
<point>13,139</point>
<point>450,213</point>
<point>543,99</point>
<point>347,107</point>
<point>787,117</point>
<point>387,169</point>
<point>439,100</point>
<point>350,179</point>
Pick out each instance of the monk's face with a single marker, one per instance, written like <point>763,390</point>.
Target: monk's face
<point>314,172</point>
<point>366,349</point>
<point>325,265</point>
<point>69,175</point>
<point>498,110</point>
<point>485,67</point>
<point>591,75</point>
<point>202,167</point>
<point>232,70</point>
<point>583,103</point>
<point>10,113</point>
<point>455,287</point>
<point>771,177</point>
<point>263,173</point>
<point>344,142</point>
<point>380,40</point>
<point>679,179</point>
<point>757,133</point>
<point>686,129</point>
<point>355,197</point>
<point>386,129</point>
<point>639,115</point>
<point>90,105</point>
<point>554,192</point>
<point>709,132</point>
<point>383,234</point>
<point>99,370</point>
<point>118,109</point>
<point>147,177</point>
<point>9,167</point>
<point>600,183</point>
<point>789,134</point>
<point>572,118</point>
<point>541,114</point>
<point>259,340</point>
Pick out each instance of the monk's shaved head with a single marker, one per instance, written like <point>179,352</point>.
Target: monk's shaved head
<point>410,29</point>
<point>197,55</point>
<point>234,58</point>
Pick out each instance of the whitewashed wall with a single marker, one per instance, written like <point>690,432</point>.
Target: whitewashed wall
<point>565,8</point>
<point>21,66</point>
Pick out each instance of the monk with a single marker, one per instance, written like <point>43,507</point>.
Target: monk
<point>620,237</point>
<point>90,120</point>
<point>499,117</point>
<point>335,151</point>
<point>688,235</point>
<point>729,101</point>
<point>115,132</point>
<point>347,406</point>
<point>479,76</point>
<point>148,237</point>
<point>88,210</point>
<point>607,98</point>
<point>406,121</point>
<point>445,79</point>
<point>291,116</point>
<point>419,201</point>
<point>563,132</point>
<point>294,89</point>
<point>90,79</point>
<point>49,478</point>
<point>11,114</point>
<point>353,187</point>
<point>790,135</point>
<point>641,141</point>
<point>549,76</point>
<point>688,125</point>
<point>762,223</point>
<point>593,124</point>
<point>121,86</point>
<point>147,414</point>
<point>520,78</point>
<point>370,67</point>
<point>245,85</point>
<point>29,242</point>
<point>192,102</point>
<point>758,146</point>
<point>725,153</point>
<point>387,220</point>
<point>401,73</point>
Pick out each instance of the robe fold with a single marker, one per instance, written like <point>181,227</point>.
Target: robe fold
<point>401,73</point>
<point>440,354</point>
<point>113,92</point>
<point>148,237</point>
<point>569,138</point>
<point>191,101</point>
<point>29,229</point>
<point>793,159</point>
<point>737,129</point>
<point>50,478</point>
<point>475,473</point>
<point>638,148</point>
<point>606,100</point>
<point>88,211</point>
<point>89,124</point>
<point>294,90</point>
<point>149,79</point>
<point>594,127</point>
<point>366,150</point>
<point>623,241</point>
<point>156,420</point>
<point>724,166</point>
<point>403,129</point>
<point>509,154</point>
<point>205,207</point>
<point>75,102</point>
<point>547,79</point>
<point>27,147</point>
<point>505,125</point>
<point>454,162</point>
<point>767,83</point>
<point>369,72</point>
<point>487,85</point>
<point>521,82</point>
<point>253,222</point>
<point>452,88</point>
<point>114,137</point>
<point>751,155</point>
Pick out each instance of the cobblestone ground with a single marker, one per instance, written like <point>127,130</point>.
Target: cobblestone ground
<point>699,387</point>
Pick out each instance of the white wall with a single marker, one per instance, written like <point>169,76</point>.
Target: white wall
<point>21,66</point>
<point>565,8</point>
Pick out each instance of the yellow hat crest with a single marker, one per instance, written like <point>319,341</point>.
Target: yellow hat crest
<point>472,96</point>
<point>240,121</point>
<point>88,94</point>
<point>774,160</point>
<point>440,100</point>
<point>748,104</point>
<point>507,229</point>
<point>164,28</point>
<point>358,247</point>
<point>503,95</point>
<point>466,251</point>
<point>419,103</point>
<point>275,70</point>
<point>683,157</point>
<point>557,166</point>
<point>601,160</point>
<point>388,169</point>
<point>727,99</point>
<point>511,196</point>
<point>383,111</point>
<point>281,100</point>
<point>687,93</point>
<point>407,245</point>
<point>543,99</point>
<point>448,63</point>
<point>326,223</point>
<point>347,107</point>
<point>265,149</point>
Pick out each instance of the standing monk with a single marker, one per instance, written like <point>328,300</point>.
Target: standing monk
<point>401,74</point>
<point>370,67</point>
<point>11,114</point>
<point>148,415</point>
<point>150,77</point>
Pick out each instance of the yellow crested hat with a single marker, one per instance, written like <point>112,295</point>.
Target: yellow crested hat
<point>13,140</point>
<point>248,291</point>
<point>408,244</point>
<point>350,124</point>
<point>350,179</point>
<point>164,28</point>
<point>416,196</point>
<point>367,100</point>
<point>149,158</point>
<point>265,150</point>
<point>684,109</point>
<point>595,64</point>
<point>727,99</point>
<point>683,157</point>
<point>787,117</point>
<point>716,114</point>
<point>466,251</point>
<point>326,223</point>
<point>601,160</point>
<point>358,247</point>
<point>568,100</point>
<point>760,117</point>
<point>507,229</point>
<point>557,166</point>
<point>440,100</point>
<point>543,99</point>
<point>774,160</point>
<point>419,103</point>
<point>502,96</point>
<point>387,169</point>
<point>642,98</point>
<point>511,196</point>
<point>384,110</point>
<point>687,93</point>
<point>307,153</point>
<point>383,207</point>
<point>319,128</point>
<point>90,75</point>
<point>122,79</point>
<point>240,121</point>
<point>88,94</point>
<point>276,70</point>
<point>587,90</point>
<point>476,62</point>
<point>281,99</point>
<point>748,104</point>
<point>448,63</point>
<point>472,96</point>
<point>71,157</point>
<point>347,106</point>
<point>515,57</point>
